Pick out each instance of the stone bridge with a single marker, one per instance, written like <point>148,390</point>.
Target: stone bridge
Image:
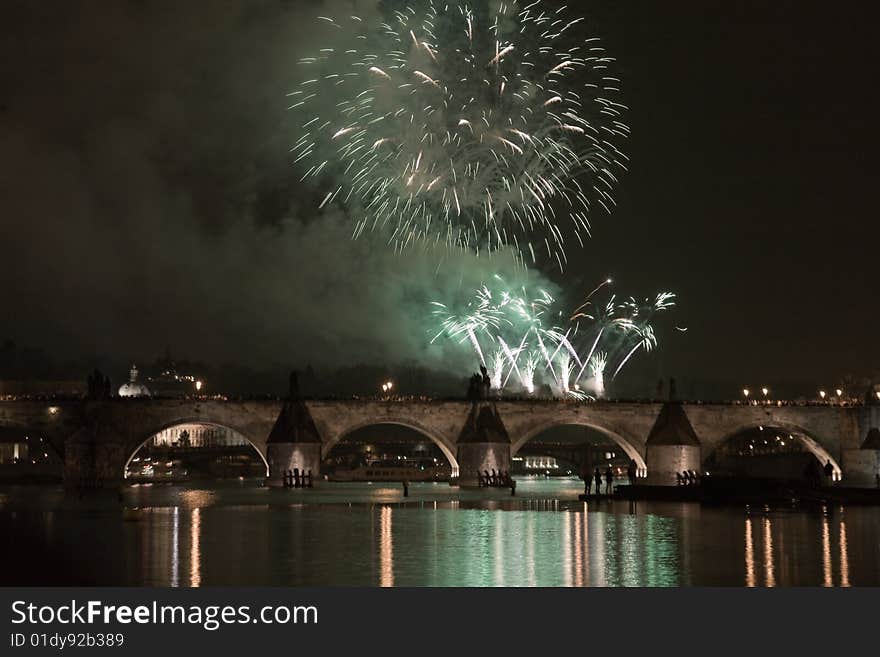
<point>96,439</point>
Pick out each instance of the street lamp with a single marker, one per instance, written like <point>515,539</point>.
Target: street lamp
<point>765,390</point>
<point>838,392</point>
<point>198,385</point>
<point>390,385</point>
<point>746,393</point>
<point>822,394</point>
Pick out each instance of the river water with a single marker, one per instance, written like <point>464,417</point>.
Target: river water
<point>370,535</point>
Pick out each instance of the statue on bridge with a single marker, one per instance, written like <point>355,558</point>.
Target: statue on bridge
<point>473,393</point>
<point>98,385</point>
<point>293,385</point>
<point>487,382</point>
<point>479,386</point>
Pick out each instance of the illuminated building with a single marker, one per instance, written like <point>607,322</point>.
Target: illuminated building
<point>13,452</point>
<point>197,435</point>
<point>173,383</point>
<point>133,388</point>
<point>195,450</point>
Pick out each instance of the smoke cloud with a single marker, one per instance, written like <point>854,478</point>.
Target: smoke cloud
<point>152,200</point>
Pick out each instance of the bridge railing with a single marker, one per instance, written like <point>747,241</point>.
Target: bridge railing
<point>443,399</point>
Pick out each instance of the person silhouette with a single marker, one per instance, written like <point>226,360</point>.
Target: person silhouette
<point>631,471</point>
<point>658,392</point>
<point>588,481</point>
<point>609,478</point>
<point>597,475</point>
<point>829,471</point>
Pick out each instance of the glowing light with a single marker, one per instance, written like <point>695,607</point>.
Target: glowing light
<point>745,392</point>
<point>844,556</point>
<point>175,556</point>
<point>386,548</point>
<point>769,575</point>
<point>765,391</point>
<point>822,394</point>
<point>826,553</point>
<point>198,385</point>
<point>195,552</point>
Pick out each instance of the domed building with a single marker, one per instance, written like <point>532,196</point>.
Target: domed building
<point>133,388</point>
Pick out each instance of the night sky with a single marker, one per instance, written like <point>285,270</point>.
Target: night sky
<point>148,198</point>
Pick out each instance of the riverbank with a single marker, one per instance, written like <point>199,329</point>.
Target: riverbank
<point>731,490</point>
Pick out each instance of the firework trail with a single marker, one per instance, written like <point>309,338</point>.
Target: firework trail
<point>499,364</point>
<point>480,127</point>
<point>592,347</point>
<point>597,368</point>
<point>481,315</point>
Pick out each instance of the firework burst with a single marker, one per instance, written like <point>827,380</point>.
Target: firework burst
<point>480,127</point>
<point>576,354</point>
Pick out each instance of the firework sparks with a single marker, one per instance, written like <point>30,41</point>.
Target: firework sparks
<point>481,128</point>
<point>597,369</point>
<point>574,360</point>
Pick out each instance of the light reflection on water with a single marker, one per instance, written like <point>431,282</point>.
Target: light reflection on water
<point>386,548</point>
<point>844,559</point>
<point>370,535</point>
<point>769,577</point>
<point>195,554</point>
<point>750,554</point>
<point>826,552</point>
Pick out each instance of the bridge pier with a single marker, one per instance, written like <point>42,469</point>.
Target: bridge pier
<point>92,461</point>
<point>672,447</point>
<point>861,466</point>
<point>79,463</point>
<point>294,442</point>
<point>860,458</point>
<point>96,437</point>
<point>483,444</point>
<point>284,457</point>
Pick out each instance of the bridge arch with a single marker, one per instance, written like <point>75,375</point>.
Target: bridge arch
<point>48,438</point>
<point>134,447</point>
<point>414,426</point>
<point>39,444</point>
<point>626,445</point>
<point>797,432</point>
